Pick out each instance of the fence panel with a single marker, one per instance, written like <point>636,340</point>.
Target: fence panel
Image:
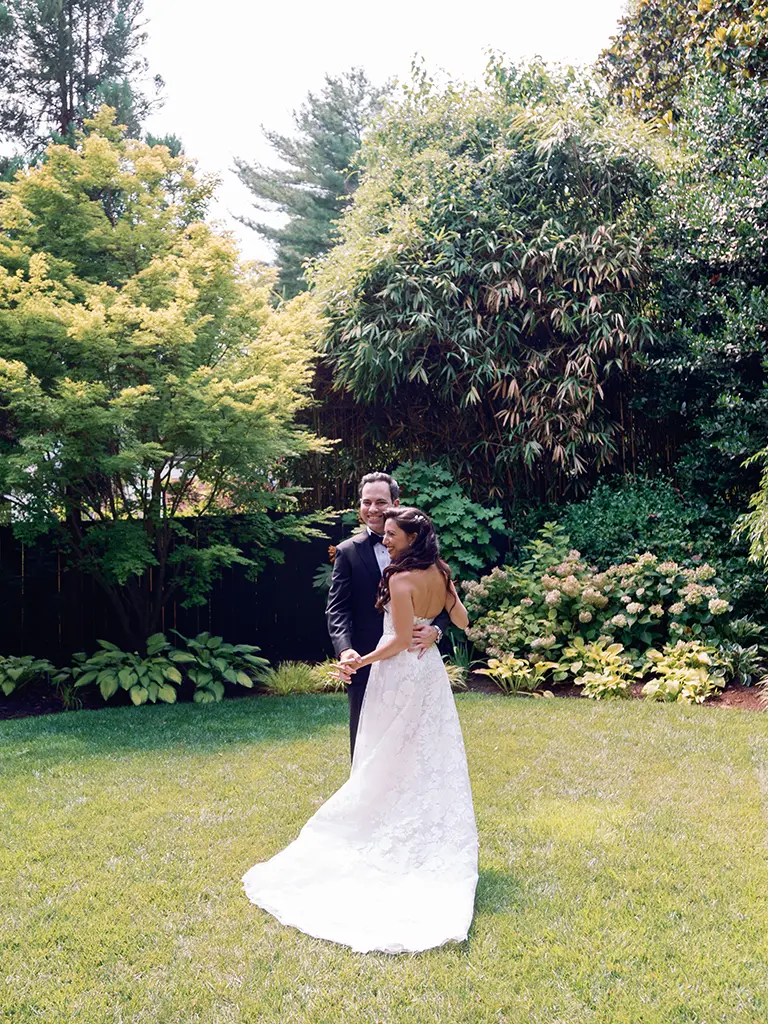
<point>50,610</point>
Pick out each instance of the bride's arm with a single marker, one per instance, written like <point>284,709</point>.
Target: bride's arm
<point>455,608</point>
<point>401,606</point>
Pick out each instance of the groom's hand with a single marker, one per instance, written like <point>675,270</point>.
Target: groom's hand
<point>423,638</point>
<point>348,664</point>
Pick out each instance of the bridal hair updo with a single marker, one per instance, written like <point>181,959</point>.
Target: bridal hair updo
<point>423,552</point>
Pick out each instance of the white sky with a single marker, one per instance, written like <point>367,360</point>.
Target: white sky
<point>233,66</point>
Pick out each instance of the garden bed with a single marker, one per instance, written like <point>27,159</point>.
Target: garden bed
<point>747,698</point>
<point>41,701</point>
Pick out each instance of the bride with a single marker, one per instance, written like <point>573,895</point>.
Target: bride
<point>389,862</point>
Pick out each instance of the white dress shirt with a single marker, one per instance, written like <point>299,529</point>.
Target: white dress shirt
<point>381,553</point>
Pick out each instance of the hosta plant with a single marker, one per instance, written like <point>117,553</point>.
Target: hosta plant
<point>687,672</point>
<point>211,664</point>
<point>153,678</point>
<point>742,651</point>
<point>518,675</point>
<point>16,671</point>
<point>742,664</point>
<point>600,668</point>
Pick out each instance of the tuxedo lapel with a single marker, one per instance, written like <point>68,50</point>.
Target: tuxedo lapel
<point>365,550</point>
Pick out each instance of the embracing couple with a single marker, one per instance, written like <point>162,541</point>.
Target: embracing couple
<point>389,862</point>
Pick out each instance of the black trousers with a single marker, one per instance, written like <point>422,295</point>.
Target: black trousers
<point>355,693</point>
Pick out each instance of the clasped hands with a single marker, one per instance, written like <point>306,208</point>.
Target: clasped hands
<point>350,661</point>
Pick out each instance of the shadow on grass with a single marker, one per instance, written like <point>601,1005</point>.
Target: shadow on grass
<point>164,728</point>
<point>498,892</point>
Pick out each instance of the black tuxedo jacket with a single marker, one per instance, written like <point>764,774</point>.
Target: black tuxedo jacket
<point>351,614</point>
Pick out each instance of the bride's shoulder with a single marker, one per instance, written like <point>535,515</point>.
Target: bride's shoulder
<point>399,582</point>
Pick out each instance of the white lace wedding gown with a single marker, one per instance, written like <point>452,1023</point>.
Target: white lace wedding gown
<point>389,862</point>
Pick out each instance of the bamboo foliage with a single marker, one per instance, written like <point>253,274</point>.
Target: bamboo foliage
<point>490,282</point>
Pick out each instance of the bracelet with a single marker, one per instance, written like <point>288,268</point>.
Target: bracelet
<point>439,634</point>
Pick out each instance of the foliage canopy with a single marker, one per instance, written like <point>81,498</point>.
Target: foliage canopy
<point>146,381</point>
<point>487,290</point>
<point>317,175</point>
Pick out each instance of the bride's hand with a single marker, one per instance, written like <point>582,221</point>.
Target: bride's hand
<point>348,664</point>
<point>344,671</point>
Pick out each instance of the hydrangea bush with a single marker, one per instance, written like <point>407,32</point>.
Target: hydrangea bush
<point>554,606</point>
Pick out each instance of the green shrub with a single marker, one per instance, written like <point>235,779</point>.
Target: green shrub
<point>537,609</point>
<point>465,528</point>
<point>458,675</point>
<point>146,679</point>
<point>633,514</point>
<point>207,662</point>
<point>652,515</point>
<point>741,664</point>
<point>322,578</point>
<point>212,664</point>
<point>17,671</point>
<point>327,678</point>
<point>291,677</point>
<point>687,671</point>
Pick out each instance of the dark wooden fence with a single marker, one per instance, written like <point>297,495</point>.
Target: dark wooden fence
<point>51,611</point>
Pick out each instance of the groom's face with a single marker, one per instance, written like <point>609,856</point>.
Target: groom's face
<point>374,500</point>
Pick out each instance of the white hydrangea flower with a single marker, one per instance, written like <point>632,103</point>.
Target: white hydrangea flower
<point>570,586</point>
<point>544,641</point>
<point>704,572</point>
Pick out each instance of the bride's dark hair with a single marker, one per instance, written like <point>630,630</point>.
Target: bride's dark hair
<point>422,553</point>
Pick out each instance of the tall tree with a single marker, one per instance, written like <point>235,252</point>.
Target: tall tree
<point>486,296</point>
<point>660,42</point>
<point>148,388</point>
<point>60,60</point>
<point>314,186</point>
<point>706,376</point>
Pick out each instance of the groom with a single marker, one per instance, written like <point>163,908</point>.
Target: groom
<point>354,624</point>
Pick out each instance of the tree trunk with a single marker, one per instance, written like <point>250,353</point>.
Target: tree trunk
<point>71,60</point>
<point>87,55</point>
<point>63,58</point>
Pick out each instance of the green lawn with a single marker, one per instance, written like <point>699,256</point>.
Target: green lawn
<point>623,868</point>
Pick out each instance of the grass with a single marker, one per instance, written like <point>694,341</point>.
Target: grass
<point>623,874</point>
<point>291,677</point>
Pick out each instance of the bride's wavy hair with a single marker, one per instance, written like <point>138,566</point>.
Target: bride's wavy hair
<point>423,552</point>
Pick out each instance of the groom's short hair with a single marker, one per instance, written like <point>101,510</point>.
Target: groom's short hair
<point>384,478</point>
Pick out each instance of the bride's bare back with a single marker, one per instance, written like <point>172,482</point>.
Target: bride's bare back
<point>429,594</point>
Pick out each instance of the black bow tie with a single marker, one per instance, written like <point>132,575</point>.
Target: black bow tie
<point>376,539</point>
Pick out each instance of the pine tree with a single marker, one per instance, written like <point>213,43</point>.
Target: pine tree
<point>60,60</point>
<point>318,178</point>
